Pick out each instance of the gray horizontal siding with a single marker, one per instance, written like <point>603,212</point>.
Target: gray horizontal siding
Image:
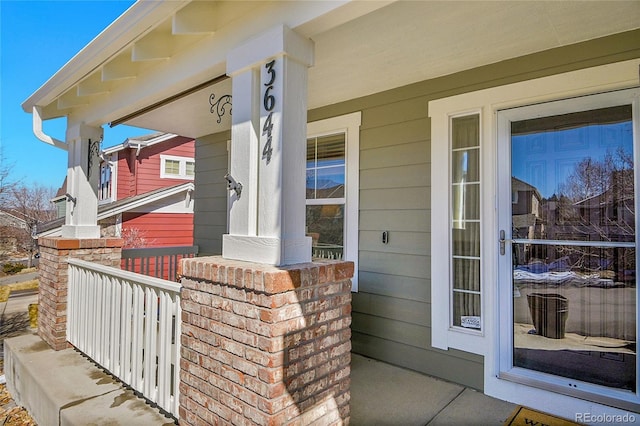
<point>395,264</point>
<point>405,310</point>
<point>210,197</point>
<point>392,330</point>
<point>399,176</point>
<point>398,286</point>
<point>395,155</point>
<point>394,219</point>
<point>415,243</point>
<point>395,199</point>
<point>394,134</point>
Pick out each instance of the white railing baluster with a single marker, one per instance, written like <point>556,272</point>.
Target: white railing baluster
<point>130,324</point>
<point>137,338</point>
<point>151,350</point>
<point>175,354</point>
<point>71,321</point>
<point>118,338</point>
<point>127,323</point>
<point>107,311</point>
<point>97,318</point>
<point>86,318</point>
<point>164,348</point>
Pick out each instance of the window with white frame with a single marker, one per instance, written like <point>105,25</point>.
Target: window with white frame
<point>457,254</point>
<point>464,194</point>
<point>105,188</point>
<point>174,167</point>
<point>332,187</point>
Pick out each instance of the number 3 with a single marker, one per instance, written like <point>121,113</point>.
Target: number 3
<point>270,70</point>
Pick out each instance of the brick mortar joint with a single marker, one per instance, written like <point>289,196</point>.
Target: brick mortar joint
<point>191,284</point>
<point>261,278</point>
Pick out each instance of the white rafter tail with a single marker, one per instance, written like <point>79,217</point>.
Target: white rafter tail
<point>198,17</point>
<point>155,46</point>
<point>94,85</point>
<point>119,68</point>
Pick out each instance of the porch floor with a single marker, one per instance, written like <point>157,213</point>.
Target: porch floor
<point>65,388</point>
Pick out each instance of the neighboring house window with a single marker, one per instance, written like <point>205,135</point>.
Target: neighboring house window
<point>172,167</point>
<point>108,176</point>
<point>332,188</point>
<point>105,188</point>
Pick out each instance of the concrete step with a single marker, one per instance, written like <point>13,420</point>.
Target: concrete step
<point>66,388</point>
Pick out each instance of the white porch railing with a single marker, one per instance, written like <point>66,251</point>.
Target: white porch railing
<point>130,325</point>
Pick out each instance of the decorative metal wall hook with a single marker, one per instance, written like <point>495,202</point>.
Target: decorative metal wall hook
<point>232,185</point>
<point>70,198</point>
<point>219,107</point>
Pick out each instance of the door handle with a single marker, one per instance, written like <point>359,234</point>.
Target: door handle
<point>503,242</point>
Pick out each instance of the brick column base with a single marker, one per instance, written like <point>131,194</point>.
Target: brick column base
<point>53,278</point>
<point>265,345</point>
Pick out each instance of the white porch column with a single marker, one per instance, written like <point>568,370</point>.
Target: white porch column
<point>268,149</point>
<point>83,174</point>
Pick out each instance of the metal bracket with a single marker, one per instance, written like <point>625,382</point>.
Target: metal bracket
<point>232,185</point>
<point>94,151</point>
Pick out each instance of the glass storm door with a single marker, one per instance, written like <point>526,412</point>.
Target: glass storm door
<point>567,246</point>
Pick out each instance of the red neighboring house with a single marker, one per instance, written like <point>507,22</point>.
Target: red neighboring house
<point>142,165</point>
<point>145,192</point>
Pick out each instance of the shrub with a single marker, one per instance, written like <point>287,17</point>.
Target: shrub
<point>13,268</point>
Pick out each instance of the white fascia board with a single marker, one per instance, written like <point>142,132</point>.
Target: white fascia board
<point>146,200</point>
<point>156,140</point>
<point>170,204</point>
<point>55,232</point>
<point>140,18</point>
<point>114,149</point>
<point>135,142</point>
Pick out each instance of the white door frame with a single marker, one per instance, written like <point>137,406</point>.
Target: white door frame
<point>588,81</point>
<point>505,272</point>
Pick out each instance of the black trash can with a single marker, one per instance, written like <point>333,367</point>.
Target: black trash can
<point>549,313</point>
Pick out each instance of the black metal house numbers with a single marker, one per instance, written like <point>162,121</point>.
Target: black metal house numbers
<point>269,103</point>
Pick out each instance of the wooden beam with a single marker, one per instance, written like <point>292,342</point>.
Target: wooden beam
<point>119,68</point>
<point>93,85</point>
<point>154,46</point>
<point>70,99</point>
<point>198,17</point>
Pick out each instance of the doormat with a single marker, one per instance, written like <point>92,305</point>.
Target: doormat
<point>523,416</point>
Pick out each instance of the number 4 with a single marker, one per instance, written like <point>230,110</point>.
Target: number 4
<point>267,150</point>
<point>267,128</point>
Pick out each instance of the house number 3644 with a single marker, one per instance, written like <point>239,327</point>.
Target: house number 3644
<point>269,103</point>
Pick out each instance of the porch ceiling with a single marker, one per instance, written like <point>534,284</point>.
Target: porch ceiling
<point>361,48</point>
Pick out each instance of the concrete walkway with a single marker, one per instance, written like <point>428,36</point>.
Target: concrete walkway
<point>382,394</point>
<point>65,388</point>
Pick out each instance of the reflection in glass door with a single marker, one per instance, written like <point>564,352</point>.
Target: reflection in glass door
<point>573,248</point>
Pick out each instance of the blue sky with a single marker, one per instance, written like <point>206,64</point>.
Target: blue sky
<point>36,39</point>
